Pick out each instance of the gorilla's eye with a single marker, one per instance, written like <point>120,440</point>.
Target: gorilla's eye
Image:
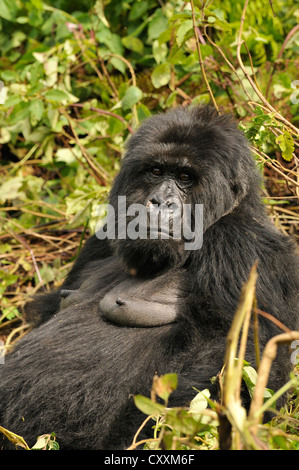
<point>185,177</point>
<point>156,171</point>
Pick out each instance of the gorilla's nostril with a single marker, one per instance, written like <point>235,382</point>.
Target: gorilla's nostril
<point>156,199</point>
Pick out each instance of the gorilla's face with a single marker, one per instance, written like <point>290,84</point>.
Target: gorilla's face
<point>156,196</point>
<point>172,169</point>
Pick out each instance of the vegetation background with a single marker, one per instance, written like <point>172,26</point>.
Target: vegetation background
<point>77,78</point>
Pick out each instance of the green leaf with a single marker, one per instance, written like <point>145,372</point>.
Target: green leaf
<point>286,145</point>
<point>131,97</point>
<point>182,421</point>
<point>249,375</point>
<point>66,155</point>
<point>47,274</point>
<point>111,40</point>
<point>19,113</point>
<point>159,51</point>
<point>7,279</point>
<point>10,189</point>
<point>115,126</point>
<point>36,111</point>
<point>51,70</point>
<point>157,25</point>
<point>5,248</point>
<point>217,18</point>
<point>56,95</point>
<point>5,135</point>
<point>99,9</point>
<point>39,134</point>
<point>46,442</point>
<point>143,112</point>
<point>199,403</point>
<point>184,28</point>
<point>118,64</point>
<point>147,406</point>
<point>161,75</point>
<point>133,44</point>
<point>138,9</point>
<point>9,75</point>
<point>8,10</point>
<point>13,101</point>
<point>219,14</point>
<point>163,386</point>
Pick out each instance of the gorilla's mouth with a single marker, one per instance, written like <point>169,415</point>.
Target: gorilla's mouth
<point>160,234</point>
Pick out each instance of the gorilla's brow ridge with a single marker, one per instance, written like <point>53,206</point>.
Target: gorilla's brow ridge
<point>171,150</point>
<point>175,164</point>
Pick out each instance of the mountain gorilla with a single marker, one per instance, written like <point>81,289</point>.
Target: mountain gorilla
<point>134,307</point>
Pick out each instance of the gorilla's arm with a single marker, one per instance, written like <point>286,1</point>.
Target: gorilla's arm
<point>47,304</point>
<point>93,249</point>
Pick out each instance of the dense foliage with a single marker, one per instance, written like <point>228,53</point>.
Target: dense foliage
<point>77,79</point>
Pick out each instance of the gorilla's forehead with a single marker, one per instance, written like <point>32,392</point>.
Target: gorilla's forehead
<point>201,136</point>
<point>172,154</point>
<point>166,155</point>
<point>181,134</point>
<point>193,142</point>
<point>171,151</point>
<point>179,160</point>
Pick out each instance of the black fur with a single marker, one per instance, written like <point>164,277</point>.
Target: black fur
<point>75,373</point>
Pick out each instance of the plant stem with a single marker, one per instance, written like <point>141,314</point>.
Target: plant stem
<point>195,28</point>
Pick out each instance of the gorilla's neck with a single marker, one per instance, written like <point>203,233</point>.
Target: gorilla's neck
<point>147,258</point>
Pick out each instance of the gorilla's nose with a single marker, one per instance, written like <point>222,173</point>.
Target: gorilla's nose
<point>167,202</point>
<point>157,199</point>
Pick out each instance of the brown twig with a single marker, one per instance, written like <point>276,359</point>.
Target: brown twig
<point>99,173</point>
<point>274,320</point>
<point>273,164</point>
<point>105,113</point>
<point>228,62</point>
<point>134,81</point>
<point>135,443</point>
<point>256,332</point>
<point>106,73</point>
<point>268,357</point>
<point>197,35</point>
<point>22,241</point>
<point>233,371</point>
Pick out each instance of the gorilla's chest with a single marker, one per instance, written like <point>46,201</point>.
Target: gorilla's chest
<point>142,303</point>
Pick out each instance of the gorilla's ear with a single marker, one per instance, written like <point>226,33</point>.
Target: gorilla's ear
<point>239,183</point>
<point>239,189</point>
